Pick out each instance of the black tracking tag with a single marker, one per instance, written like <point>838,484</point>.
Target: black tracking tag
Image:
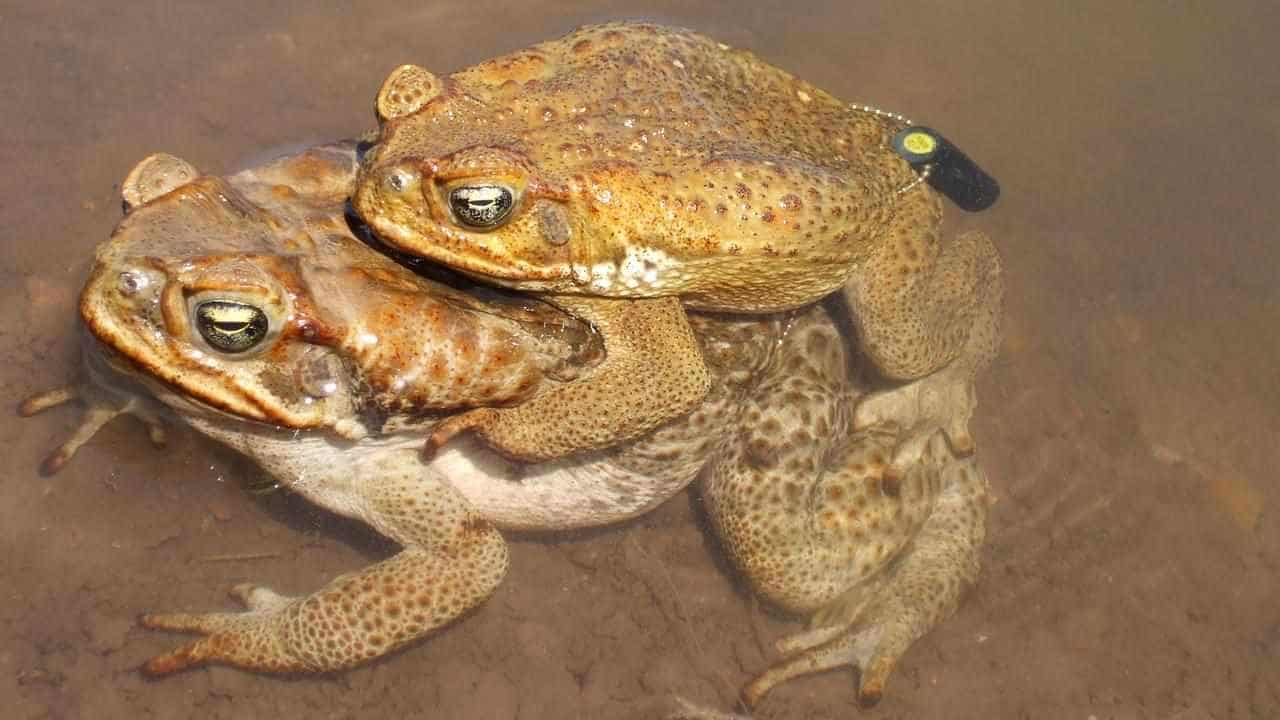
<point>953,174</point>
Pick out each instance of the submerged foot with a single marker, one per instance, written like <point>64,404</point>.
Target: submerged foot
<point>943,401</point>
<point>101,405</point>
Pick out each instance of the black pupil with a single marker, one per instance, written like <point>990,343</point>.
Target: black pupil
<point>481,205</point>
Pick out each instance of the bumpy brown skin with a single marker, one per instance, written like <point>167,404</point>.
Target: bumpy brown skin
<point>805,499</point>
<point>649,161</point>
<point>641,385</point>
<point>271,238</point>
<point>746,188</point>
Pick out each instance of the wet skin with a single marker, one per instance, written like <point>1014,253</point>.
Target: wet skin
<point>805,499</point>
<point>630,171</point>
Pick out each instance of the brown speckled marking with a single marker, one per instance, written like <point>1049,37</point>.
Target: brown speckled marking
<point>818,525</point>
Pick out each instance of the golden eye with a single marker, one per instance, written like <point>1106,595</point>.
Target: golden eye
<point>483,207</point>
<point>230,326</point>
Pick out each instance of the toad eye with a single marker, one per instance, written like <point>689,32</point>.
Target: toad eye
<point>482,207</point>
<point>230,326</point>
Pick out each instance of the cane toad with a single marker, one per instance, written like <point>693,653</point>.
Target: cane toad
<point>634,161</point>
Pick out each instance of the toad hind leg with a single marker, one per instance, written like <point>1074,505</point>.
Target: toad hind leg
<point>451,561</point>
<point>653,372</point>
<point>812,516</point>
<point>873,625</point>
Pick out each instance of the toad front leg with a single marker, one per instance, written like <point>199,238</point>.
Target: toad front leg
<point>930,316</point>
<point>653,372</point>
<point>451,561</point>
<point>916,300</point>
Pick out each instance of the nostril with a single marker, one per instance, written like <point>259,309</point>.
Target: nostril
<point>131,283</point>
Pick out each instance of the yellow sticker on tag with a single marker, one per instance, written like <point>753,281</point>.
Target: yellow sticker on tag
<point>920,142</point>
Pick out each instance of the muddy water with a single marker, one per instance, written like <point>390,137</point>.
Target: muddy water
<point>1128,427</point>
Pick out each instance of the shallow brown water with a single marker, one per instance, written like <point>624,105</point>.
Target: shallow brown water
<point>1128,427</point>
